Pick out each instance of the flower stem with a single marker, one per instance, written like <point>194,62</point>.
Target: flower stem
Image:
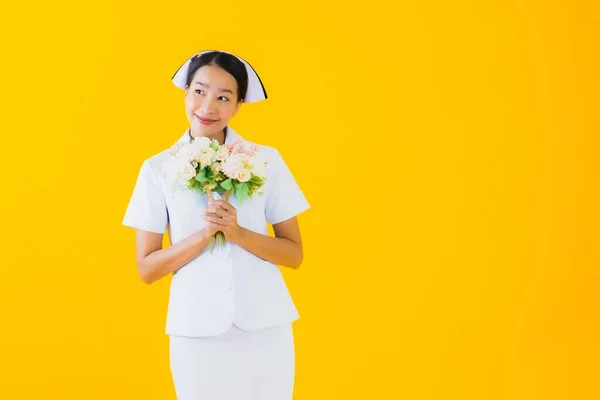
<point>218,237</point>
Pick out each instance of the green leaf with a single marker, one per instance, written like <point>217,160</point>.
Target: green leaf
<point>197,187</point>
<point>242,191</point>
<point>226,184</point>
<point>201,177</point>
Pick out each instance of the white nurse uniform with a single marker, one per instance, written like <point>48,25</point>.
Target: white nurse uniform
<point>230,312</point>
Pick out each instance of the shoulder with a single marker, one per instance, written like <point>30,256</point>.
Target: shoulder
<point>156,160</point>
<point>154,165</point>
<point>270,153</point>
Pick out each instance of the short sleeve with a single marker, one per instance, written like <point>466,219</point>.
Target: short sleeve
<point>147,209</point>
<point>284,197</point>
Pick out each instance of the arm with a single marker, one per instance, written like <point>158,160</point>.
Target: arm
<point>154,262</point>
<point>284,249</point>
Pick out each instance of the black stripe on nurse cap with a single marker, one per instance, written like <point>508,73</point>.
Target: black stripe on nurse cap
<point>256,89</point>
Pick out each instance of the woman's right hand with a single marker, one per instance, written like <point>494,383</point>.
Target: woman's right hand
<point>202,235</point>
<point>209,229</point>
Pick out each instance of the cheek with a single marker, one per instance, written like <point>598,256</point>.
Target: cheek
<point>190,104</point>
<point>228,111</point>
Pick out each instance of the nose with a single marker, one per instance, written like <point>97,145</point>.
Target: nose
<point>207,108</point>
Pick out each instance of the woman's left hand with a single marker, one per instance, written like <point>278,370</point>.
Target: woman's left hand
<point>223,216</point>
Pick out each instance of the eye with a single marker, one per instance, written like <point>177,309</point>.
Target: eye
<point>198,90</point>
<point>223,97</point>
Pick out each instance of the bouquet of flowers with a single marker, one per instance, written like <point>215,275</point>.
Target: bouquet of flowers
<point>207,168</point>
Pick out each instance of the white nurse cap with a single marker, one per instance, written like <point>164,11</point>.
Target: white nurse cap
<point>256,91</point>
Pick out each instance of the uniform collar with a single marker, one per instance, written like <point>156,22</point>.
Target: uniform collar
<point>231,136</point>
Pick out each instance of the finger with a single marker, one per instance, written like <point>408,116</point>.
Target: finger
<point>223,204</point>
<point>213,226</point>
<point>216,220</point>
<point>215,210</point>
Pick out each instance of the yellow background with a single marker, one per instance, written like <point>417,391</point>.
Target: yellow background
<point>448,150</point>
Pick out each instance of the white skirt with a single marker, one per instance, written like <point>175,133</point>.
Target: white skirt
<point>237,365</point>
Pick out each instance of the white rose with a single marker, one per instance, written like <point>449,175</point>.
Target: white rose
<point>211,152</point>
<point>187,171</point>
<point>203,142</point>
<point>244,175</point>
<point>195,151</point>
<point>204,159</point>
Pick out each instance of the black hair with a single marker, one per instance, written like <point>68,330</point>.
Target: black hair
<point>228,62</point>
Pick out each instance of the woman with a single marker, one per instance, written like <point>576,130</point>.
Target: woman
<point>230,314</point>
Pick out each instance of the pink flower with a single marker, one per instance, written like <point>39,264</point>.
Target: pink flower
<point>175,149</point>
<point>238,148</point>
<point>233,165</point>
<point>242,147</point>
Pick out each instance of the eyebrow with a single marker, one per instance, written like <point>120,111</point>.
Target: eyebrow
<point>208,87</point>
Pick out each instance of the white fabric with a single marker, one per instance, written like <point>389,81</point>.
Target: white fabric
<point>256,91</point>
<point>147,209</point>
<point>237,365</point>
<point>230,285</point>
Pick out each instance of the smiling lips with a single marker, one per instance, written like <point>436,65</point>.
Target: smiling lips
<point>205,121</point>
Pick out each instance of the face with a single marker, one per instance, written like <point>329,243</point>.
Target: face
<point>211,100</point>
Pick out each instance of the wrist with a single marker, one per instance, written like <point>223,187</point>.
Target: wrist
<point>203,235</point>
<point>238,236</point>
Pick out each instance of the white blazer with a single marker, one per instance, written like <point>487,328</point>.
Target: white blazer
<point>231,285</point>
